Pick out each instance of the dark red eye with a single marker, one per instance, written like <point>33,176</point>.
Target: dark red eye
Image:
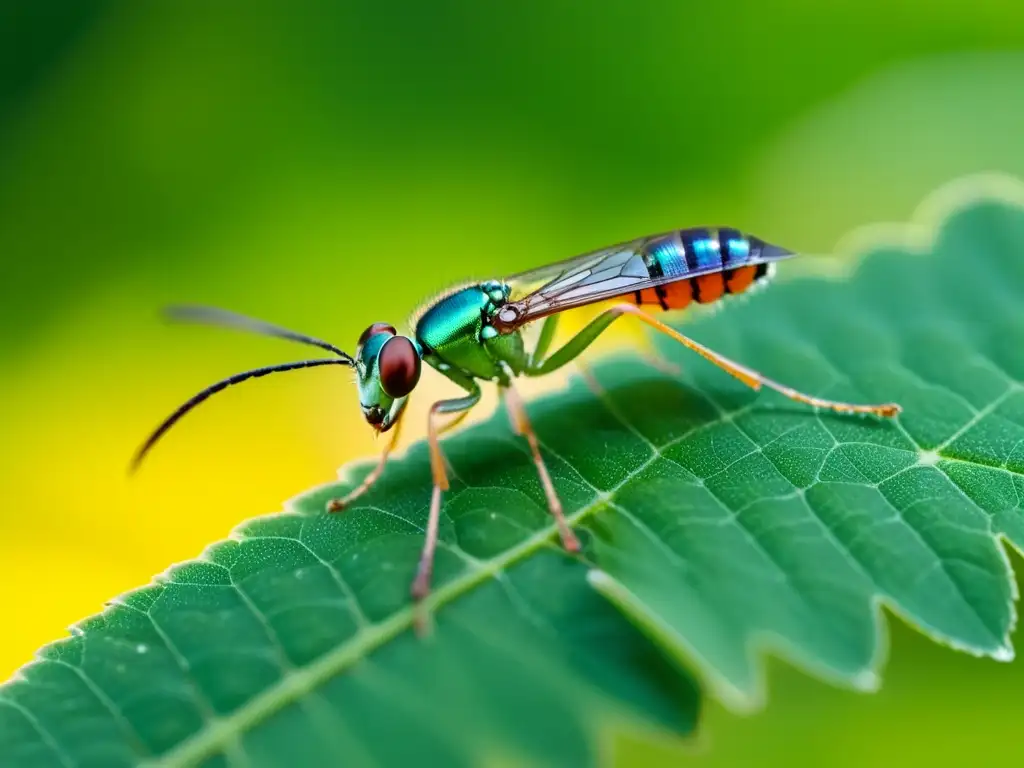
<point>374,329</point>
<point>399,366</point>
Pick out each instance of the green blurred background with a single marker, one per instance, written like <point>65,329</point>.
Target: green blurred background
<point>325,165</point>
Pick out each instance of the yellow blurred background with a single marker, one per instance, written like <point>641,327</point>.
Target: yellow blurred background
<point>327,165</point>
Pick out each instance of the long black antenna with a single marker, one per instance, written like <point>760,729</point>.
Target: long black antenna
<point>228,319</point>
<point>213,389</point>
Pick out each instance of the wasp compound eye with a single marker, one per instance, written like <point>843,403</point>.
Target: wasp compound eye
<point>399,364</point>
<point>374,329</point>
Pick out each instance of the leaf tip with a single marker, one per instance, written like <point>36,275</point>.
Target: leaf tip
<point>1004,653</point>
<point>866,681</point>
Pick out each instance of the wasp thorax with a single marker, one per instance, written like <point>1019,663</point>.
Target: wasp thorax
<point>496,291</point>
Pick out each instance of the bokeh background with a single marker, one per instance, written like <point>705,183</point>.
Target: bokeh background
<point>325,165</point>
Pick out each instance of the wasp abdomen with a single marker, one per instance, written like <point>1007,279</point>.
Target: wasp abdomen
<point>728,261</point>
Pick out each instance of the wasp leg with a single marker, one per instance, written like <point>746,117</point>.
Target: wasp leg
<point>336,505</point>
<point>453,423</point>
<point>521,425</point>
<point>547,335</point>
<point>421,584</point>
<point>576,345</point>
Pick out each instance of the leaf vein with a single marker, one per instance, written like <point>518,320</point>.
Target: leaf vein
<point>45,736</point>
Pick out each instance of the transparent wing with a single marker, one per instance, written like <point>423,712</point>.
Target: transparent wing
<point>525,283</point>
<point>631,266</point>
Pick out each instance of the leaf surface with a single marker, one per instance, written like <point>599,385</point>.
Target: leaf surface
<point>717,522</point>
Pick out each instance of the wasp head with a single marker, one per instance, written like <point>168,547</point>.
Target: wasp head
<point>388,367</point>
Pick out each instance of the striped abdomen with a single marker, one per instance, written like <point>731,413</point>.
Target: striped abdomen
<point>735,261</point>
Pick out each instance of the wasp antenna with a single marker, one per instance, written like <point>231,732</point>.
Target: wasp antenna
<point>227,319</point>
<point>213,389</point>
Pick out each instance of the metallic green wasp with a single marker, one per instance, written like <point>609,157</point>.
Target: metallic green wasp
<point>475,334</point>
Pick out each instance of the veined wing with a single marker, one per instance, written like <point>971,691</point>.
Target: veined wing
<point>526,283</point>
<point>631,267</point>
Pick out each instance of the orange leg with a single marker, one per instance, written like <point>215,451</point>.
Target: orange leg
<point>755,380</point>
<point>336,505</point>
<point>424,571</point>
<point>453,423</point>
<point>574,347</point>
<point>521,425</point>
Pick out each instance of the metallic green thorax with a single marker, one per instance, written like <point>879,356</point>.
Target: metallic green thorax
<point>455,333</point>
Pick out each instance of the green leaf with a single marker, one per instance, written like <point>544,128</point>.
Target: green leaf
<point>718,523</point>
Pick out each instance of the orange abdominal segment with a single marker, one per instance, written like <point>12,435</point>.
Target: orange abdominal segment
<point>671,296</point>
<point>740,279</point>
<point>709,288</point>
<point>705,289</point>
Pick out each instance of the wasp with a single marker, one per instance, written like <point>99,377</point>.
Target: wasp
<point>475,334</point>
